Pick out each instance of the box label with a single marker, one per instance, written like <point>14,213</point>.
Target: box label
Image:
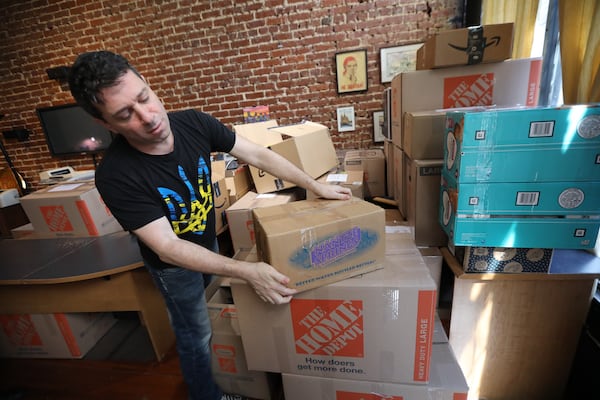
<point>20,330</point>
<point>56,218</point>
<point>424,334</point>
<point>328,327</point>
<point>225,355</point>
<point>469,90</point>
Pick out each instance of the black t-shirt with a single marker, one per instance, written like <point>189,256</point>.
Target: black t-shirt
<point>139,188</point>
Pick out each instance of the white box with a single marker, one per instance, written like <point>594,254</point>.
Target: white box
<point>69,210</point>
<point>377,326</point>
<point>52,335</point>
<point>447,383</point>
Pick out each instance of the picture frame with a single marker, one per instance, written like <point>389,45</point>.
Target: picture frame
<point>378,121</point>
<point>396,59</point>
<point>346,120</point>
<point>351,71</point>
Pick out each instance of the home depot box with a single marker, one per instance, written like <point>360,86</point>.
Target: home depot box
<point>536,144</point>
<point>472,45</point>
<point>377,326</point>
<point>372,162</point>
<point>228,360</point>
<point>536,231</point>
<point>52,335</point>
<point>240,220</point>
<point>503,259</point>
<point>353,180</point>
<point>317,242</point>
<point>423,134</point>
<point>447,382</point>
<point>422,199</point>
<point>507,83</point>
<point>69,210</point>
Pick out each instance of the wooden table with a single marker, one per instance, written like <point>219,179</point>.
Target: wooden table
<point>515,335</point>
<point>96,274</point>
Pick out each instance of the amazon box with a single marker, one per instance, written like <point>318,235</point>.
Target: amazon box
<point>377,326</point>
<point>467,46</point>
<point>372,162</point>
<point>318,242</point>
<point>353,180</point>
<point>69,210</point>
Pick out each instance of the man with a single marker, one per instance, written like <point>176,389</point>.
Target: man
<point>155,179</point>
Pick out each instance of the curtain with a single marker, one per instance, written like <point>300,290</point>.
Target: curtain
<point>579,22</point>
<point>521,13</point>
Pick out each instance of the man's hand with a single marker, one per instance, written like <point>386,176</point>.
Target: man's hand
<point>268,283</point>
<point>333,192</point>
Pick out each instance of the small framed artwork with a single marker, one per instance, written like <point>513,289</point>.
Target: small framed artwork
<point>378,136</point>
<point>345,119</point>
<point>351,71</point>
<point>398,59</point>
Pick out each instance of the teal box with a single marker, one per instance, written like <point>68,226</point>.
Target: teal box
<point>528,198</point>
<point>523,144</point>
<point>574,232</point>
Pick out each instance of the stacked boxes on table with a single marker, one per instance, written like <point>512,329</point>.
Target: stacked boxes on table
<point>363,317</point>
<point>418,127</point>
<point>522,178</point>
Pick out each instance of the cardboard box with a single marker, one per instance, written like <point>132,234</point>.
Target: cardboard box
<point>238,182</point>
<point>228,360</point>
<point>447,383</point>
<point>507,83</point>
<point>423,135</point>
<point>503,259</point>
<point>472,45</point>
<point>240,219</point>
<point>377,326</point>
<point>353,180</point>
<point>537,144</point>
<point>52,335</point>
<point>423,196</point>
<point>570,232</point>
<point>69,210</point>
<point>221,203</point>
<point>317,242</point>
<point>372,162</point>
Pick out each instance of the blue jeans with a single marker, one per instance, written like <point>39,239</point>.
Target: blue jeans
<point>183,291</point>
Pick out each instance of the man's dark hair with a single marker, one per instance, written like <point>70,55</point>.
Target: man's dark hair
<point>91,72</point>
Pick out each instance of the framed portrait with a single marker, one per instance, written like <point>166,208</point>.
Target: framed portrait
<point>346,119</point>
<point>378,136</point>
<point>398,59</point>
<point>351,71</point>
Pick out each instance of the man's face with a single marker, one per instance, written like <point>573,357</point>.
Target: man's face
<point>132,109</point>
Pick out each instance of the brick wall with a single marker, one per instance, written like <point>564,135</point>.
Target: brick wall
<point>216,56</point>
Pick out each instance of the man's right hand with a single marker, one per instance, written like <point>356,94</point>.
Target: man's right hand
<point>268,283</point>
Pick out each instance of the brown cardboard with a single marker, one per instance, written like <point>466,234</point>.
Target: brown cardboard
<point>240,220</point>
<point>506,83</point>
<point>56,335</point>
<point>353,180</point>
<point>423,193</point>
<point>372,162</point>
<point>447,383</point>
<point>423,134</point>
<point>377,326</point>
<point>228,360</point>
<point>318,242</point>
<point>221,203</point>
<point>69,210</point>
<point>472,45</point>
<point>238,182</point>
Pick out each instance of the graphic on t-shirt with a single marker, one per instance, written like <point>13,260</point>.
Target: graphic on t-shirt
<point>190,217</point>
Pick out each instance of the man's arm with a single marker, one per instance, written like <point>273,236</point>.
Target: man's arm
<point>269,284</point>
<point>267,160</point>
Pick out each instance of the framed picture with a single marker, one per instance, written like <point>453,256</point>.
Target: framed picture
<point>378,136</point>
<point>398,59</point>
<point>351,71</point>
<point>345,119</point>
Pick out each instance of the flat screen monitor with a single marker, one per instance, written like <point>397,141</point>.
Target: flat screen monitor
<point>71,130</point>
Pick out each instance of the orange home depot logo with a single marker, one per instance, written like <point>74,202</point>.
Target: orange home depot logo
<point>340,395</point>
<point>56,218</point>
<point>20,330</point>
<point>225,355</point>
<point>328,327</point>
<point>469,90</point>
